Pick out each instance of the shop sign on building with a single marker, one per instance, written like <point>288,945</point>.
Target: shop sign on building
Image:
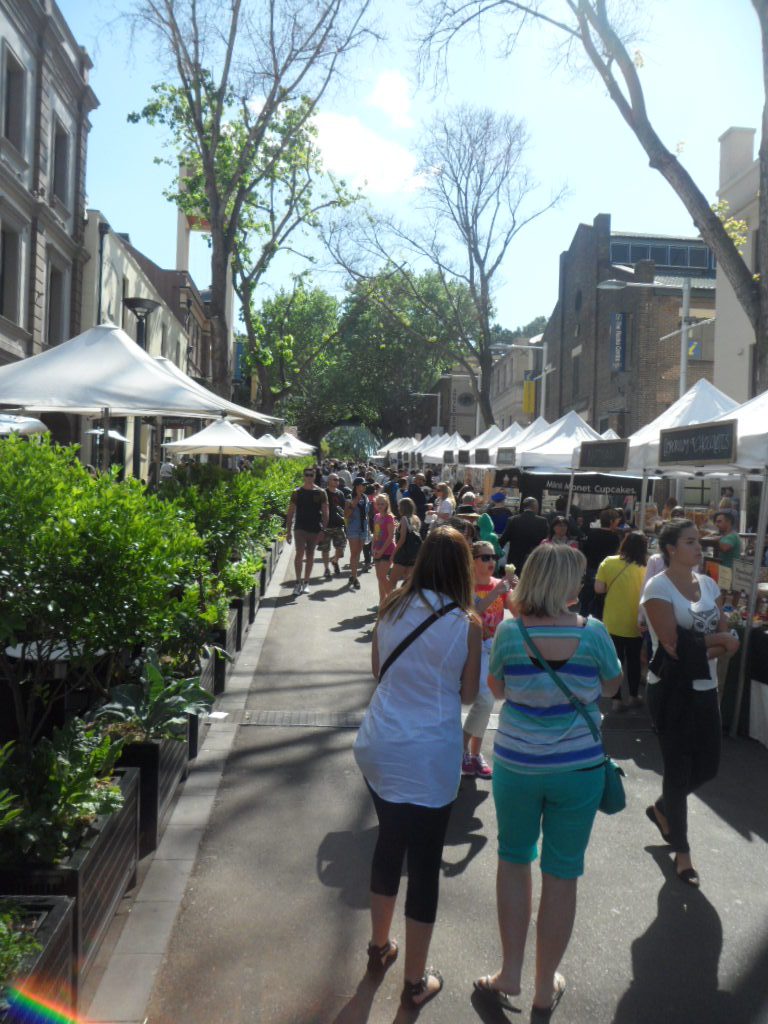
<point>618,341</point>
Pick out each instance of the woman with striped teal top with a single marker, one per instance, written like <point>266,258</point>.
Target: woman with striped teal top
<point>547,778</point>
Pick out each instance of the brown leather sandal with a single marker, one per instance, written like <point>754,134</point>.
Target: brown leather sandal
<point>413,989</point>
<point>381,958</point>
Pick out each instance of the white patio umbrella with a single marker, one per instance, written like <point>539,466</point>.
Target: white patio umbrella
<point>223,438</point>
<point>294,447</point>
<point>24,425</point>
<point>115,435</point>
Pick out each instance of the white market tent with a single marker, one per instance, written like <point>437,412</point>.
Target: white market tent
<point>485,440</point>
<point>700,404</point>
<point>553,449</point>
<point>428,442</point>
<point>434,453</point>
<point>104,368</point>
<point>24,425</point>
<point>519,438</point>
<point>223,438</point>
<point>610,435</point>
<point>397,444</point>
<point>291,445</point>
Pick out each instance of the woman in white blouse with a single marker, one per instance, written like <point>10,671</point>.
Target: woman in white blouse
<point>446,503</point>
<point>685,710</point>
<point>410,742</point>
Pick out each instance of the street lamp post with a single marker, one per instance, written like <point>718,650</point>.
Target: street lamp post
<point>431,394</point>
<point>613,285</point>
<point>141,309</point>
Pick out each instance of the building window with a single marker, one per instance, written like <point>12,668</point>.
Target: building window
<point>639,252</point>
<point>578,300</point>
<point>660,256</point>
<point>57,306</point>
<point>699,258</point>
<point>619,252</point>
<point>678,256</point>
<point>575,384</point>
<point>13,101</point>
<point>60,163</point>
<point>10,274</point>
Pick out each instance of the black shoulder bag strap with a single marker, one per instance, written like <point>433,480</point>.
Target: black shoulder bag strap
<point>405,644</point>
<point>572,699</point>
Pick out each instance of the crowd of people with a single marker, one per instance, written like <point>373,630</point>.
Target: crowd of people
<point>548,615</point>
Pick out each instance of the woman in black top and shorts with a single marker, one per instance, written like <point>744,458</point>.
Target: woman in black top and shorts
<point>408,542</point>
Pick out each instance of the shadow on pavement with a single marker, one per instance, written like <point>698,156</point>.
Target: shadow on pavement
<point>675,962</point>
<point>358,1009</point>
<point>355,622</point>
<point>492,1013</point>
<point>463,825</point>
<point>344,863</point>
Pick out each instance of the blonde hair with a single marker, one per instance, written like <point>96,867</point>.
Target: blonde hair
<point>443,486</point>
<point>551,577</point>
<point>383,496</point>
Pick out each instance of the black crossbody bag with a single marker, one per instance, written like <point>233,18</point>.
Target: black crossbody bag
<point>406,643</point>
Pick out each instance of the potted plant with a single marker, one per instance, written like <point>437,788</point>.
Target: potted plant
<point>76,830</point>
<point>151,718</point>
<point>36,955</point>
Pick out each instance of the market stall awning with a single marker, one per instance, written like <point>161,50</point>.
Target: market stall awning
<point>104,368</point>
<point>224,438</point>
<point>291,445</point>
<point>700,404</point>
<point>190,382</point>
<point>556,447</point>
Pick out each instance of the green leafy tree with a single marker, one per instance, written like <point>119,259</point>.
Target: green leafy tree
<point>244,81</point>
<point>474,201</point>
<point>603,33</point>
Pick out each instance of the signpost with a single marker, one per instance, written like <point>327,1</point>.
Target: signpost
<point>700,444</point>
<point>604,455</point>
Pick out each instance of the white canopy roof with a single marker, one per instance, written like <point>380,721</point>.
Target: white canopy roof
<point>223,438</point>
<point>434,453</point>
<point>700,404</point>
<point>291,445</point>
<point>429,441</point>
<point>397,444</point>
<point>554,448</point>
<point>104,368</point>
<point>24,425</point>
<point>239,411</point>
<point>610,435</point>
<point>486,439</point>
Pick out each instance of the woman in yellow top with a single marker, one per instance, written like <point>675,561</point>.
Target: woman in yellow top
<point>620,577</point>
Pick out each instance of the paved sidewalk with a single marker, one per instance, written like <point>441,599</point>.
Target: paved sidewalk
<point>273,924</point>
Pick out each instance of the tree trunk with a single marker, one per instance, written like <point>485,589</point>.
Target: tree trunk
<point>220,354</point>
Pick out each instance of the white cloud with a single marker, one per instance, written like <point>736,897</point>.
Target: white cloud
<point>366,160</point>
<point>392,95</point>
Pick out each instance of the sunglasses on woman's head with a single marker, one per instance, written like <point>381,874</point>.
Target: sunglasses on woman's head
<point>486,558</point>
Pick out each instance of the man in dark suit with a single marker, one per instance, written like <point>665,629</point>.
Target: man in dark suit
<point>524,532</point>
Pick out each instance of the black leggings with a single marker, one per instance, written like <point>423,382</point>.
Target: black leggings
<point>690,749</point>
<point>628,650</point>
<point>419,832</point>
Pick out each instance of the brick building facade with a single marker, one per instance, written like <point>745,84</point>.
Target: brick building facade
<point>613,359</point>
<point>44,123</point>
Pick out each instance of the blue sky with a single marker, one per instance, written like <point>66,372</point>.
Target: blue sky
<point>702,74</point>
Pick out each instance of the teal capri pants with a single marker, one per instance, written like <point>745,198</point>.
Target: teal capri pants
<point>561,806</point>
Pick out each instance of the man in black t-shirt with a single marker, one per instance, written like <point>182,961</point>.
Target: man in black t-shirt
<point>599,544</point>
<point>307,518</point>
<point>335,533</point>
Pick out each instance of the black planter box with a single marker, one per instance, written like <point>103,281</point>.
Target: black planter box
<point>163,764</point>
<point>237,605</point>
<point>266,571</point>
<point>227,640</point>
<point>96,876</point>
<point>254,597</point>
<point>49,974</point>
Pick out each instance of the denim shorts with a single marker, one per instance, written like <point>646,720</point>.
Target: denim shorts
<point>559,806</point>
<point>357,532</point>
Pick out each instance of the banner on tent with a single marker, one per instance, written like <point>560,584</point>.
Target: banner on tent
<point>707,442</point>
<point>482,456</point>
<point>449,457</point>
<point>613,489</point>
<point>464,456</point>
<point>505,457</point>
<point>604,454</point>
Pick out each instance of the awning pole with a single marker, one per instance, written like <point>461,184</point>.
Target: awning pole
<point>105,439</point>
<point>762,523</point>
<point>570,495</point>
<point>643,488</point>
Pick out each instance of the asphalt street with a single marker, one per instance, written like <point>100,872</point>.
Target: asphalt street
<point>274,921</point>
